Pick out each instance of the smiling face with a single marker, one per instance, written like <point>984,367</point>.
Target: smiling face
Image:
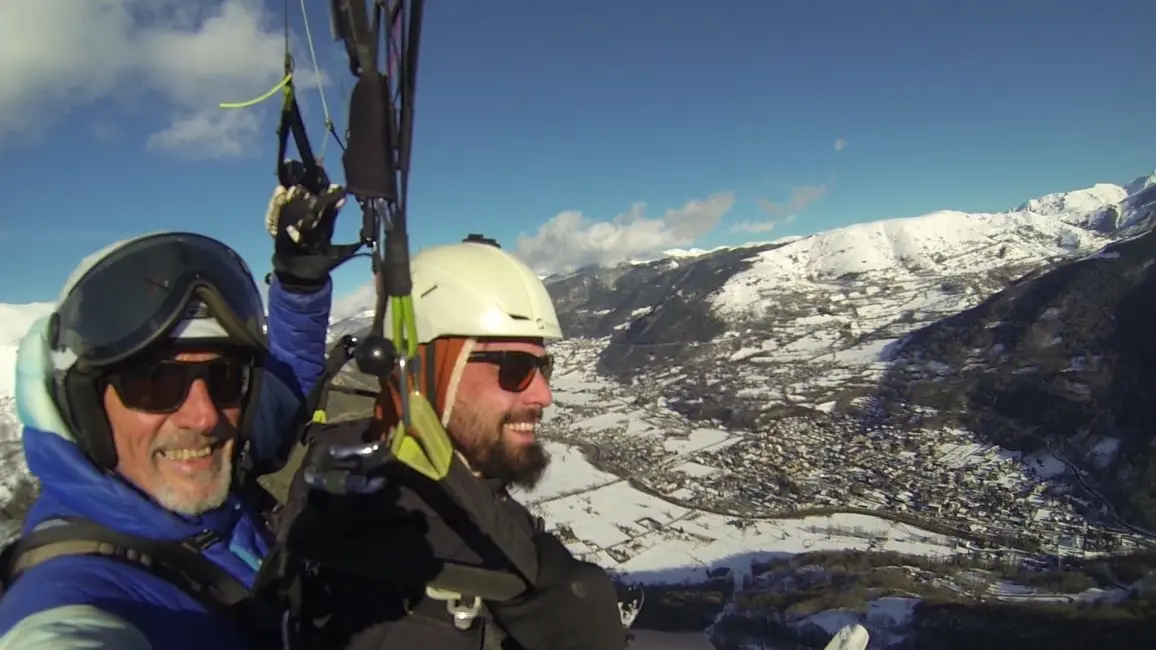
<point>495,428</point>
<point>183,460</point>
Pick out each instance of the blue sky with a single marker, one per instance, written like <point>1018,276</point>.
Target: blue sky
<point>721,118</point>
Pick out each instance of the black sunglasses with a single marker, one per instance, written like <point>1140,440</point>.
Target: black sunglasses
<point>516,368</point>
<point>162,386</point>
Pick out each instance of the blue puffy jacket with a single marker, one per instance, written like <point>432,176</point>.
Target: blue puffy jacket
<point>75,602</point>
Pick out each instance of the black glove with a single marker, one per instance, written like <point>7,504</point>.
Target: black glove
<point>301,222</point>
<point>574,606</point>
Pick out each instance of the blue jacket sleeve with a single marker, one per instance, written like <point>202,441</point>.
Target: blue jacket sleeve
<point>298,326</point>
<point>298,330</point>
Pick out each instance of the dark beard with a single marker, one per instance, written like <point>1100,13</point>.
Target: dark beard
<point>520,466</point>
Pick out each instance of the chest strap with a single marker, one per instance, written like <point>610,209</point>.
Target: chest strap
<point>179,562</point>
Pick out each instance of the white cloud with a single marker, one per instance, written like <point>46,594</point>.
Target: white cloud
<point>204,134</point>
<point>840,144</point>
<point>177,59</point>
<point>570,240</point>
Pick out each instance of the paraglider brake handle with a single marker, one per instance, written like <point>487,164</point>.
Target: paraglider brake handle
<point>313,178</point>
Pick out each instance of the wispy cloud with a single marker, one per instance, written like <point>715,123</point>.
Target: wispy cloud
<point>801,198</point>
<point>570,240</point>
<point>840,144</point>
<point>182,57</point>
<point>761,227</point>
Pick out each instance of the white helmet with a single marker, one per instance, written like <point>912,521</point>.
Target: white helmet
<point>478,290</point>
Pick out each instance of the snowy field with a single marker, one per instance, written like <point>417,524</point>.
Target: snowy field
<point>608,521</point>
<point>670,543</point>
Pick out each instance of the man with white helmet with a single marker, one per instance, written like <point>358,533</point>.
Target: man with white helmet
<point>148,397</point>
<point>483,322</point>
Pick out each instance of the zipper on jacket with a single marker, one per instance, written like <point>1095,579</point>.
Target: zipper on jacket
<point>201,541</point>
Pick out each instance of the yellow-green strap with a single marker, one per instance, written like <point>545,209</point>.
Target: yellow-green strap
<point>404,326</point>
<point>425,446</point>
<point>281,85</point>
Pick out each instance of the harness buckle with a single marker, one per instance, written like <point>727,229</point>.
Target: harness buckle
<point>463,615</point>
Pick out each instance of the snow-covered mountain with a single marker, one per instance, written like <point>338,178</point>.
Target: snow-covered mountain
<point>14,322</point>
<point>1062,360</point>
<point>813,314</point>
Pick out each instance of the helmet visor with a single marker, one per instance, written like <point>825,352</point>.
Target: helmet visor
<point>135,296</point>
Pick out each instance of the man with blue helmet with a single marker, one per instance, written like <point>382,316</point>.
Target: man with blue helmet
<point>149,397</point>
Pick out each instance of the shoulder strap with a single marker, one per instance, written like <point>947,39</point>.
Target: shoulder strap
<point>181,563</point>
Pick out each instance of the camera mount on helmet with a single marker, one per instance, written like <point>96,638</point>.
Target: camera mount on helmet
<point>478,238</point>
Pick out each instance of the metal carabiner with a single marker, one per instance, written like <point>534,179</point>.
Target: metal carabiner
<point>464,615</point>
<point>344,452</point>
<point>403,379</point>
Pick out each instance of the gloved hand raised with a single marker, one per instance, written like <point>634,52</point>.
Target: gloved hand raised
<point>301,223</point>
<point>573,607</point>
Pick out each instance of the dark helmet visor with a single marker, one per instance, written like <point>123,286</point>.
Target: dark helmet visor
<point>136,294</point>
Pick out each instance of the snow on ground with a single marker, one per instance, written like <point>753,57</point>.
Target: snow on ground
<point>937,243</point>
<point>698,440</point>
<point>613,521</point>
<point>889,617</point>
<point>831,620</point>
<point>1013,592</point>
<point>1079,202</point>
<point>882,617</point>
<point>1046,465</point>
<point>643,535</point>
<point>568,473</point>
<point>891,611</point>
<point>959,455</point>
<point>826,313</point>
<point>7,370</point>
<point>696,470</point>
<point>886,617</point>
<point>1105,451</point>
<point>14,323</point>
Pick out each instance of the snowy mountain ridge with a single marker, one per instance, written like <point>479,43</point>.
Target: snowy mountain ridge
<point>943,243</point>
<point>1072,208</point>
<point>946,241</point>
<point>1076,202</point>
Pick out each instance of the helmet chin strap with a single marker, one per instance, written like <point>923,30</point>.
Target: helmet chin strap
<point>82,406</point>
<point>245,464</point>
<point>455,379</point>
